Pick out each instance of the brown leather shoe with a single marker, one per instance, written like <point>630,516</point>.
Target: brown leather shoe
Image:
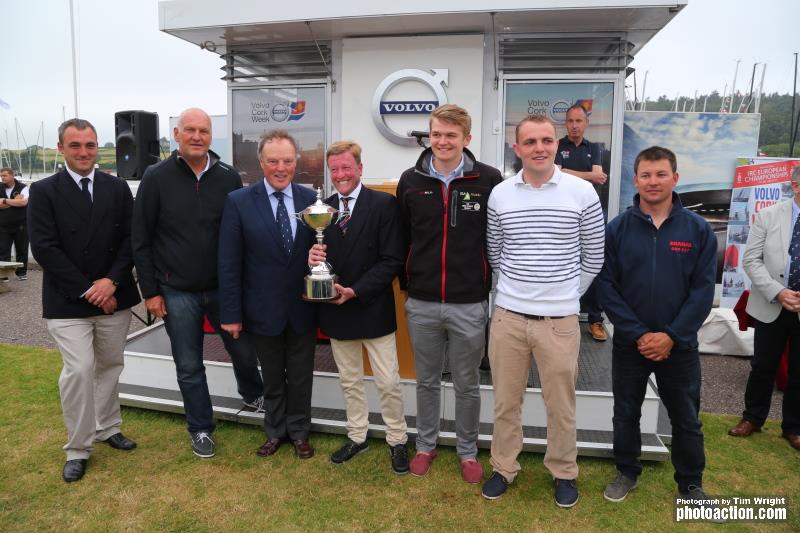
<point>794,440</point>
<point>598,332</point>
<point>744,428</point>
<point>303,449</point>
<point>269,447</point>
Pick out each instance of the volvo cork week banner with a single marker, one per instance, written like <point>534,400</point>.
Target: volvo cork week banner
<point>756,186</point>
<point>299,110</point>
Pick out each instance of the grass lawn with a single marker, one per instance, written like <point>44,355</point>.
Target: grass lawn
<point>161,486</point>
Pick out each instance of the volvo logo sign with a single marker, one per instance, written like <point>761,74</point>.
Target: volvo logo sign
<point>436,79</point>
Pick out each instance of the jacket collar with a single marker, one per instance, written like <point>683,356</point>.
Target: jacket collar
<point>213,159</point>
<point>424,163</point>
<point>677,206</point>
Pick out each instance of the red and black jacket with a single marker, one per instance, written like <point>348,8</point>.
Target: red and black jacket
<point>444,231</point>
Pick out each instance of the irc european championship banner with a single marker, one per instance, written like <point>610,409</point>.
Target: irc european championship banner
<point>755,187</point>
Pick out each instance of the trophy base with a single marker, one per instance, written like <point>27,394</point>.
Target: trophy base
<point>319,289</point>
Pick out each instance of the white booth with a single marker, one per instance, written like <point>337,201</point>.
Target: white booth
<point>372,72</point>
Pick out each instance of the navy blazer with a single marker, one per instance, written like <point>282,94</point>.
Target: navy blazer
<point>76,244</point>
<point>260,286</point>
<point>366,259</point>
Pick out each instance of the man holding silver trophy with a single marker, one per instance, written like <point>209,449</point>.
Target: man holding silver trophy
<point>365,249</point>
<point>263,251</point>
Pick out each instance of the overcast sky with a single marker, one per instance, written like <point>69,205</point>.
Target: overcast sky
<point>127,63</point>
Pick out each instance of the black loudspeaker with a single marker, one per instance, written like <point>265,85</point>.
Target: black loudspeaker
<point>137,142</point>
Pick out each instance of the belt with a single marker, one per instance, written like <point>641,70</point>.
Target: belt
<point>535,317</point>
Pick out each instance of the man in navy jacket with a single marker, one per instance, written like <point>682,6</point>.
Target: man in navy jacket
<point>657,288</point>
<point>263,252</point>
<point>80,231</point>
<point>365,250</point>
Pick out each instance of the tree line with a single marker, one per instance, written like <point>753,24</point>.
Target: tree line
<point>773,138</point>
<point>775,109</point>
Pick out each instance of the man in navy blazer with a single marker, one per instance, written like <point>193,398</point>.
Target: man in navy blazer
<point>80,232</point>
<point>263,251</point>
<point>365,249</point>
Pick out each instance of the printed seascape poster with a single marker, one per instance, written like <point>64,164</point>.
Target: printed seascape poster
<point>706,145</point>
<point>756,186</point>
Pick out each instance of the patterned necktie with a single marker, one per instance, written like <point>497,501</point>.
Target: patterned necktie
<point>87,196</point>
<point>284,227</point>
<point>345,218</point>
<point>794,258</point>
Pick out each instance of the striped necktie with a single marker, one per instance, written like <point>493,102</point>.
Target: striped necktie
<point>345,218</point>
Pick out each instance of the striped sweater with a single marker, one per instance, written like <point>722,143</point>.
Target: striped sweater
<point>545,244</point>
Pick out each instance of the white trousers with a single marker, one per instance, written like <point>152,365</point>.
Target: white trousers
<point>92,351</point>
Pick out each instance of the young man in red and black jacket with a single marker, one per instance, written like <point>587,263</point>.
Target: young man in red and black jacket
<point>443,210</point>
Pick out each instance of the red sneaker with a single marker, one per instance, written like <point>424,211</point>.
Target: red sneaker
<point>421,463</point>
<point>471,470</point>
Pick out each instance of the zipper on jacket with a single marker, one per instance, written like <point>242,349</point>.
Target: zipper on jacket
<point>446,200</point>
<point>408,265</point>
<point>485,266</point>
<point>653,269</point>
<point>453,207</point>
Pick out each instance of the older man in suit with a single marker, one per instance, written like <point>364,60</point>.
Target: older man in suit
<point>80,226</point>
<point>772,260</point>
<point>263,254</point>
<point>365,250</point>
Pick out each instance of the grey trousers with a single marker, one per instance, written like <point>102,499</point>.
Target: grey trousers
<point>459,331</point>
<point>92,351</point>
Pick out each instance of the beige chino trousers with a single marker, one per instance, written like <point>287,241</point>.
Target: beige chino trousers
<point>554,344</point>
<point>92,351</point>
<point>385,369</point>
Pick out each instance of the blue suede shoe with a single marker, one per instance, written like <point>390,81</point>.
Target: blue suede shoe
<point>566,492</point>
<point>494,487</point>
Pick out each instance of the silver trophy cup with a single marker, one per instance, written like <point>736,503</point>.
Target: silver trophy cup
<point>320,282</point>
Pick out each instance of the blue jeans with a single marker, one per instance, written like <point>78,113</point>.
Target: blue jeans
<point>678,380</point>
<point>184,324</point>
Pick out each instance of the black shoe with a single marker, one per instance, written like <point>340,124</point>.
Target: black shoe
<point>399,454</point>
<point>118,441</point>
<point>494,487</point>
<point>696,497</point>
<point>348,451</point>
<point>255,406</point>
<point>202,445</point>
<point>74,470</point>
<point>566,492</point>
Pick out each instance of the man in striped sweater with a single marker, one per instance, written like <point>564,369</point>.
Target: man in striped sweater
<point>545,239</point>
